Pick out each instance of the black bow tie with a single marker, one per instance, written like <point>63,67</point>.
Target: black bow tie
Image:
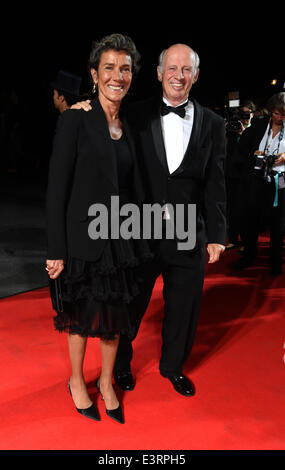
<point>180,110</point>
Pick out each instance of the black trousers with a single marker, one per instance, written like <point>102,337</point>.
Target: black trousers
<point>183,278</point>
<point>259,212</point>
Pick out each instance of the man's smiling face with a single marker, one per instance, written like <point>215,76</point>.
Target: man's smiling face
<point>178,73</point>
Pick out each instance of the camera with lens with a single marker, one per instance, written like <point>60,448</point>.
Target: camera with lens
<point>234,118</point>
<point>264,164</point>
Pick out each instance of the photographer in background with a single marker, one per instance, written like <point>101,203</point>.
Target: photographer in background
<point>237,121</point>
<point>66,90</point>
<point>262,147</point>
<point>247,113</point>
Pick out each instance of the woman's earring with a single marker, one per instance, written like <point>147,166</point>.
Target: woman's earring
<point>94,88</point>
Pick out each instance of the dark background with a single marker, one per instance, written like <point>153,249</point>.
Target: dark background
<point>230,61</point>
<point>243,59</point>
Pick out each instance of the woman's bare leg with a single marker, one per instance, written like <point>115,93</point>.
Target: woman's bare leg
<point>77,348</point>
<point>109,351</point>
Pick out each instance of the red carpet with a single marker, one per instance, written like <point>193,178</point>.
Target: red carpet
<point>237,365</point>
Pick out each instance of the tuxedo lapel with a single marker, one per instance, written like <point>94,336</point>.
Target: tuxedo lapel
<point>197,127</point>
<point>104,151</point>
<point>190,153</point>
<point>157,136</point>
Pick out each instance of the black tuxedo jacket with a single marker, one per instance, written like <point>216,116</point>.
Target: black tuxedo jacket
<point>199,179</point>
<point>83,171</point>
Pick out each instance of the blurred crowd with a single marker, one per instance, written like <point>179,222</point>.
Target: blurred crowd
<point>255,179</point>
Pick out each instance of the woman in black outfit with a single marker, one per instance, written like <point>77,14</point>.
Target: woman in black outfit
<point>264,197</point>
<point>92,160</point>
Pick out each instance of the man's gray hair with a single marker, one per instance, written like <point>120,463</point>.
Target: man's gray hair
<point>195,57</point>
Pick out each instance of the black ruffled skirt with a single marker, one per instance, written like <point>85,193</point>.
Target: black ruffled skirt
<point>96,297</point>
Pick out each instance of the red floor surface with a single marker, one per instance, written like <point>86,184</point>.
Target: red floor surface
<point>237,365</point>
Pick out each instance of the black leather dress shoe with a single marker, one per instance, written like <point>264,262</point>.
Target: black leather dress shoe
<point>125,381</point>
<point>182,385</point>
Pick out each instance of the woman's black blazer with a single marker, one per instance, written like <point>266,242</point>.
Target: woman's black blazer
<point>83,171</point>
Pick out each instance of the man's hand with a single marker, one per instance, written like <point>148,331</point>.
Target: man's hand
<point>54,267</point>
<point>215,252</point>
<point>82,105</point>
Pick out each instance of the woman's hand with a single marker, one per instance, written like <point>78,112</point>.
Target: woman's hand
<point>82,105</point>
<point>280,159</point>
<point>54,267</point>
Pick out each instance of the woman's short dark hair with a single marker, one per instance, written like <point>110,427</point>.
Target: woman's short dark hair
<point>116,42</point>
<point>277,102</point>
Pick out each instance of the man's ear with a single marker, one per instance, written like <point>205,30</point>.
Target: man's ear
<point>196,76</point>
<point>159,74</point>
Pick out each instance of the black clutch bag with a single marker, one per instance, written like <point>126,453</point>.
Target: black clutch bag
<point>56,294</point>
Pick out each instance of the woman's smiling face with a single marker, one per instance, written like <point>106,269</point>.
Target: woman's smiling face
<point>114,75</point>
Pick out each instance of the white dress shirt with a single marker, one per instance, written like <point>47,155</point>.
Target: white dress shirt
<point>272,147</point>
<point>176,134</point>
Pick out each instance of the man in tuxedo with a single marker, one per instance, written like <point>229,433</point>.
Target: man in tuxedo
<point>181,146</point>
<point>181,150</point>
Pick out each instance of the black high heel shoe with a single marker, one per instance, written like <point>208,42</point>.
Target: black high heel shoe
<point>90,412</point>
<point>117,414</point>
